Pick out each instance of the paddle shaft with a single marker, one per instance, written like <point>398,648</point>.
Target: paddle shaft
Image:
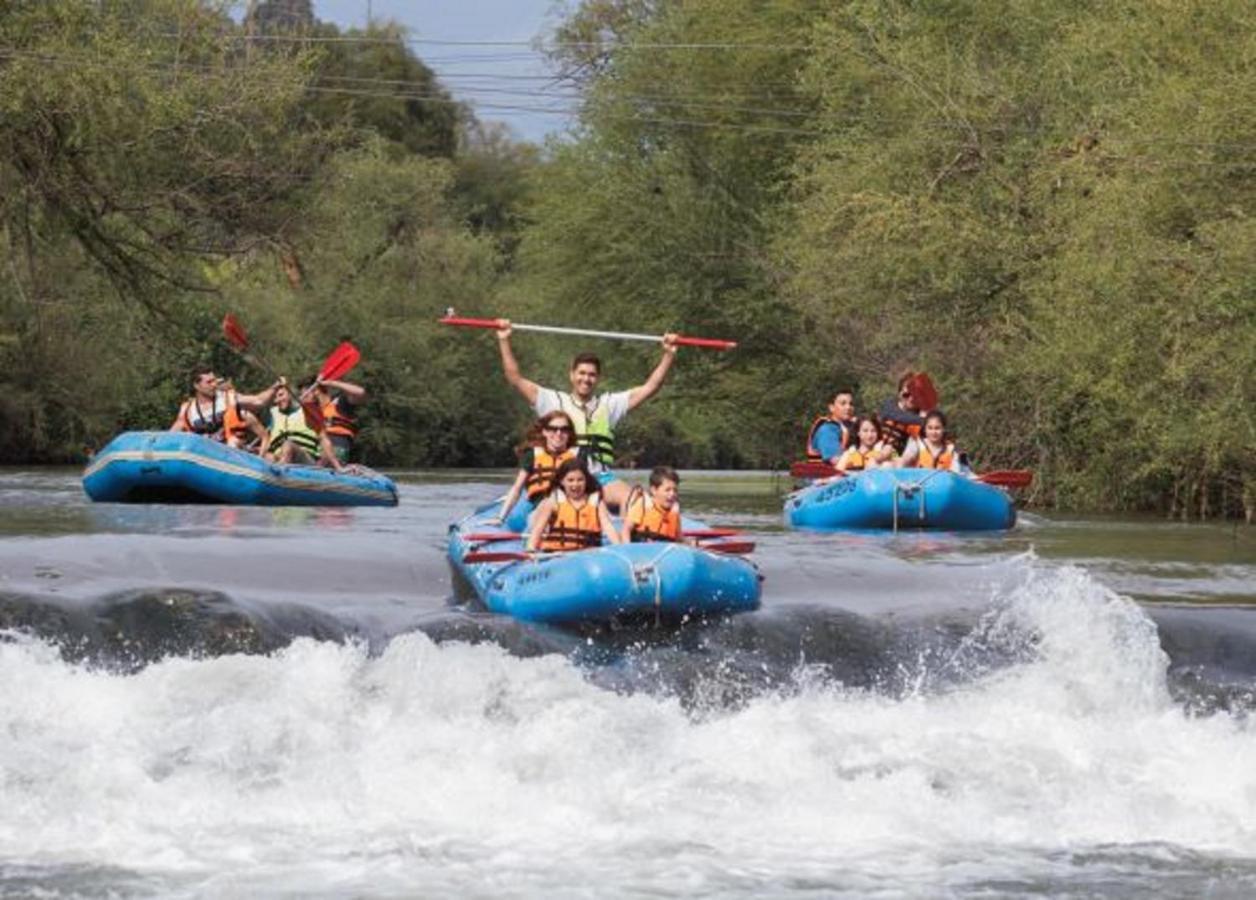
<point>708,343</point>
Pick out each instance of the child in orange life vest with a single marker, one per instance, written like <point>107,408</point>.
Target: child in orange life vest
<point>654,516</point>
<point>932,450</point>
<point>571,517</point>
<point>546,446</point>
<point>869,453</point>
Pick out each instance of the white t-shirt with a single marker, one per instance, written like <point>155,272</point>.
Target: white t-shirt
<point>548,400</point>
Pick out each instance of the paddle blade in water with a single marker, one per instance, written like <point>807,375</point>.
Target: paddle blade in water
<point>489,556</point>
<point>812,469</point>
<point>730,547</point>
<point>1017,478</point>
<point>234,332</point>
<point>712,533</point>
<point>340,362</point>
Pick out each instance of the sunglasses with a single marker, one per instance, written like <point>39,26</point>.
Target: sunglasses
<point>558,428</point>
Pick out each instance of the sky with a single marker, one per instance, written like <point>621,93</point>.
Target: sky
<point>505,84</point>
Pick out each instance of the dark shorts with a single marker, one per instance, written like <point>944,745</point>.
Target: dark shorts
<point>341,446</point>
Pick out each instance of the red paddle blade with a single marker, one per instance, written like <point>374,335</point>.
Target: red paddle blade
<point>711,533</point>
<point>738,547</point>
<point>489,556</point>
<point>1017,478</point>
<point>339,362</point>
<point>708,343</point>
<point>813,469</point>
<point>923,392</point>
<point>234,332</point>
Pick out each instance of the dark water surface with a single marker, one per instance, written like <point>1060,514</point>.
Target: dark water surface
<point>221,701</point>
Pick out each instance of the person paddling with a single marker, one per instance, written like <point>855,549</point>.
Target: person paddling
<point>205,412</point>
<point>573,516</point>
<point>594,415</point>
<point>292,440</point>
<point>339,402</point>
<point>831,434</point>
<point>546,446</point>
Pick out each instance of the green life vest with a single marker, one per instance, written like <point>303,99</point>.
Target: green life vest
<point>594,435</point>
<point>292,426</point>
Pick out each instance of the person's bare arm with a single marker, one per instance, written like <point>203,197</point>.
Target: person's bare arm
<point>540,524</point>
<point>509,503</point>
<point>259,432</point>
<point>644,392</point>
<point>180,420</point>
<point>510,365</point>
<point>354,393</point>
<point>327,453</point>
<point>607,523</point>
<point>260,402</point>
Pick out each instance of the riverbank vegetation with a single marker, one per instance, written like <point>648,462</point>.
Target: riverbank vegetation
<point>1048,206</point>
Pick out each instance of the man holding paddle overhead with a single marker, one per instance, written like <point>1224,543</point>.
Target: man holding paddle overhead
<point>594,415</point>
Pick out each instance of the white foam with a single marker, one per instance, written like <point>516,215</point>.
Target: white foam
<point>321,768</point>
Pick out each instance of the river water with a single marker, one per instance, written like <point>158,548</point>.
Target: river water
<point>211,701</point>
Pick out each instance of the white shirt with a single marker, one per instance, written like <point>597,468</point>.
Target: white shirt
<point>549,400</point>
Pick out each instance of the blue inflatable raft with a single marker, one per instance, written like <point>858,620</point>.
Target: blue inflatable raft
<point>178,467</point>
<point>899,499</point>
<point>658,581</point>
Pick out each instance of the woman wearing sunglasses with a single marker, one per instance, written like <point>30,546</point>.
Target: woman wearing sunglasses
<point>903,416</point>
<point>547,445</point>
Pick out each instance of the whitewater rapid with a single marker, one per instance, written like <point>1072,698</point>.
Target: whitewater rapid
<point>1040,751</point>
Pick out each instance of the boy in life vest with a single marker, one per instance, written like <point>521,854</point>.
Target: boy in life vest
<point>869,453</point>
<point>932,450</point>
<point>206,411</point>
<point>340,420</point>
<point>830,435</point>
<point>654,515</point>
<point>546,446</point>
<point>594,415</point>
<point>292,440</point>
<point>573,516</point>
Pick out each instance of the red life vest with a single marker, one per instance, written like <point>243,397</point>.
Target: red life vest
<point>233,424</point>
<point>571,527</point>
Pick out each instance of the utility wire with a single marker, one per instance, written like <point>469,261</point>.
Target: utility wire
<point>399,89</point>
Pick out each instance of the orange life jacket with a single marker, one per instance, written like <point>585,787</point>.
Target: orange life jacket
<point>857,460</point>
<point>571,527</point>
<point>233,424</point>
<point>649,522</point>
<point>544,465</point>
<point>926,460</point>
<point>336,424</point>
<point>846,430</point>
